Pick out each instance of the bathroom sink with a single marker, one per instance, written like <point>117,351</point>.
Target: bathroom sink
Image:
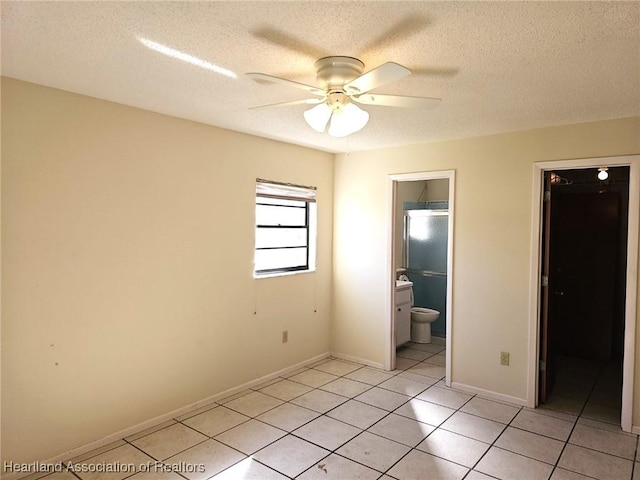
<point>403,283</point>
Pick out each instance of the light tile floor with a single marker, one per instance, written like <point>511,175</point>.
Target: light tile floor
<point>341,420</point>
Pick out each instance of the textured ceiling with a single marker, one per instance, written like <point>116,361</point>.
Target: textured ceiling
<point>498,66</point>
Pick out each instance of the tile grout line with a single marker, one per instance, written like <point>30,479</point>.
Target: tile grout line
<point>334,452</point>
<point>494,444</point>
<point>436,428</point>
<point>584,405</point>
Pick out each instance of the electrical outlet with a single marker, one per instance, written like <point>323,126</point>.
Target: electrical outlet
<point>285,336</point>
<point>504,358</point>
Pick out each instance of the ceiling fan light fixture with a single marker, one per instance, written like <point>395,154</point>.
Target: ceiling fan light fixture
<point>347,119</point>
<point>318,117</point>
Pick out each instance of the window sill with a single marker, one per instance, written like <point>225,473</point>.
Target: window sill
<point>283,274</point>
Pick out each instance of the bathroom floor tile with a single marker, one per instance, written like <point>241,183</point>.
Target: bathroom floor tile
<point>154,473</point>
<point>346,387</point>
<point>507,465</point>
<point>250,436</point>
<point>402,429</point>
<point>125,455</point>
<point>313,378</point>
<point>327,432</point>
<point>212,455</point>
<point>337,367</point>
<point>428,370</point>
<point>475,427</point>
<point>445,397</point>
<point>249,469</point>
<point>420,379</point>
<point>373,451</point>
<point>439,359</point>
<point>496,411</point>
<point>562,474</point>
<point>425,412</point>
<point>530,445</point>
<point>335,467</point>
<point>370,376</point>
<point>342,420</point>
<point>381,398</point>
<point>404,363</point>
<point>475,475</point>
<point>215,421</point>
<point>169,441</point>
<point>619,444</point>
<point>319,400</point>
<point>429,347</point>
<point>357,414</point>
<point>420,465</point>
<point>595,464</point>
<point>543,425</point>
<point>253,404</point>
<point>602,413</point>
<point>291,455</point>
<point>286,390</point>
<point>404,386</point>
<point>456,448</point>
<point>413,354</point>
<point>288,416</point>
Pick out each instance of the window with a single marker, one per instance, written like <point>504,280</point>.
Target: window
<point>285,228</point>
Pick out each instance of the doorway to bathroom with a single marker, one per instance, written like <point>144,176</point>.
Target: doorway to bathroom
<point>587,288</point>
<point>421,256</point>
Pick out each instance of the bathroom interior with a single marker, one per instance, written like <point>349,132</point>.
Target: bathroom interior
<point>421,231</point>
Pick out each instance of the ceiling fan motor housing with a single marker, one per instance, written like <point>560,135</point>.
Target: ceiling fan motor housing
<point>334,72</point>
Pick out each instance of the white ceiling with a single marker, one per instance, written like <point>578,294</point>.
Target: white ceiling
<point>498,66</point>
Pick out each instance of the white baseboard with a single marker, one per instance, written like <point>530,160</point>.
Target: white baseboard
<point>351,358</point>
<point>500,397</point>
<point>635,429</point>
<point>127,432</point>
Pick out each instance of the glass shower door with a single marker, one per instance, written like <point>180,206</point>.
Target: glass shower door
<point>426,244</point>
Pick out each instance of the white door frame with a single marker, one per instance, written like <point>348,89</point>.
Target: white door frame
<point>390,355</point>
<point>632,161</point>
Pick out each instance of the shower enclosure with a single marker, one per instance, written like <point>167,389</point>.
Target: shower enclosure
<point>425,258</point>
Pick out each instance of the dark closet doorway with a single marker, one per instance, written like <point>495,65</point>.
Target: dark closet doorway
<point>585,223</point>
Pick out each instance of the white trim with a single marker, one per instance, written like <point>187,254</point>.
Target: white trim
<point>500,397</point>
<point>127,432</point>
<point>632,161</point>
<point>350,358</point>
<point>390,346</point>
<point>390,291</point>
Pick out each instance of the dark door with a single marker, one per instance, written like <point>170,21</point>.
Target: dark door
<point>583,263</point>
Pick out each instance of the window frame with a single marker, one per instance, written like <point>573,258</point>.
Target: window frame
<point>287,192</point>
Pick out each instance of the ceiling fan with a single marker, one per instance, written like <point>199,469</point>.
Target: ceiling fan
<point>342,85</point>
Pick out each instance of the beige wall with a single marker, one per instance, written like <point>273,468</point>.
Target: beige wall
<point>127,247</point>
<point>127,240</point>
<point>491,273</point>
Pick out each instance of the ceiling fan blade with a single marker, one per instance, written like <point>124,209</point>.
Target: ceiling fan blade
<point>285,40</point>
<point>396,35</point>
<point>397,101</point>
<point>385,73</point>
<point>306,101</point>
<point>269,78</point>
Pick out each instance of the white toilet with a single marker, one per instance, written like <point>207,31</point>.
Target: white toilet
<point>421,320</point>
